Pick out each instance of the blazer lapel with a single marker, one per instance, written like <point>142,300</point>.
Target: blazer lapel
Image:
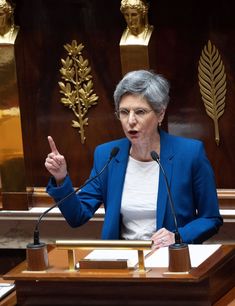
<point>166,159</point>
<point>115,187</point>
<point>117,176</point>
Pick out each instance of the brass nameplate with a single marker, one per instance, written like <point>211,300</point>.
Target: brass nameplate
<point>103,264</point>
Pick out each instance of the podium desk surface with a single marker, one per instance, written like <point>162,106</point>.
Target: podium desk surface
<point>203,285</point>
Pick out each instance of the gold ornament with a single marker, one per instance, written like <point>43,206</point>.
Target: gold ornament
<point>78,86</point>
<point>212,83</point>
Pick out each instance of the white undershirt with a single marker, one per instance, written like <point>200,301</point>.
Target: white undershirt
<point>139,200</point>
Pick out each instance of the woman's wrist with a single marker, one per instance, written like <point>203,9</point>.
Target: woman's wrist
<point>60,181</point>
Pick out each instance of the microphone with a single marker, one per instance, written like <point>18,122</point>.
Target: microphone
<point>36,239</point>
<point>156,157</point>
<point>179,259</point>
<point>36,251</point>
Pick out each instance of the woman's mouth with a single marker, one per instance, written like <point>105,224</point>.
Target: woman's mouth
<point>133,133</point>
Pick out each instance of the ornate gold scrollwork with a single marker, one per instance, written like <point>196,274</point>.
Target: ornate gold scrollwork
<point>78,86</point>
<point>212,83</point>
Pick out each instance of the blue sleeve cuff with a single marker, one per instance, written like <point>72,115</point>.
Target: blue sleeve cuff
<point>58,192</point>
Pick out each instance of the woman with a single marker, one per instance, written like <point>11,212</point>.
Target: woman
<point>132,188</point>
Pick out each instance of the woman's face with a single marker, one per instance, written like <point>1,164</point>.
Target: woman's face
<point>139,121</point>
<point>134,20</point>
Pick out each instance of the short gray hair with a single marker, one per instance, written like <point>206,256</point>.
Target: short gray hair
<point>154,88</point>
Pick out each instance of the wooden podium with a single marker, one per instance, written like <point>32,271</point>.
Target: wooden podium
<point>207,284</point>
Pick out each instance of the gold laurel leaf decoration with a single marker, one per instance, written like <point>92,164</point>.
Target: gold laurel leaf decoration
<point>212,83</point>
<point>77,86</point>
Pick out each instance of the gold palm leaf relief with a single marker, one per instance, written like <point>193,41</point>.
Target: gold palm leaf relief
<point>77,86</point>
<point>212,83</point>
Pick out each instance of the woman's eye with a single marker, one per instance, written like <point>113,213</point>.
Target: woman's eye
<point>124,112</point>
<point>140,112</point>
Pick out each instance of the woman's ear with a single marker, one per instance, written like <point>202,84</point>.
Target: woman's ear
<point>161,116</point>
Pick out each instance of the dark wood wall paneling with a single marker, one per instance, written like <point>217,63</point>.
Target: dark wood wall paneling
<point>181,31</point>
<point>45,27</point>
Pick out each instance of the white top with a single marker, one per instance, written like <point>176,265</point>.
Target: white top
<point>139,200</point>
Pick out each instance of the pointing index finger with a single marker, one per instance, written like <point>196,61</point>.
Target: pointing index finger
<point>52,145</point>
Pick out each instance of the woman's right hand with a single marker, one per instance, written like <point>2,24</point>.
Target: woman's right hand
<point>55,163</point>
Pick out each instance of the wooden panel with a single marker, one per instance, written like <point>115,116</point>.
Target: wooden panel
<point>202,286</point>
<point>40,48</point>
<point>228,299</point>
<point>9,258</point>
<point>226,198</point>
<point>182,34</point>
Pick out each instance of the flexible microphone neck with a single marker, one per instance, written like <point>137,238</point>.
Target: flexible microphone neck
<point>36,237</point>
<point>156,157</point>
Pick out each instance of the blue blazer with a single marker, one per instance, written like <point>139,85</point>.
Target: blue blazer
<point>191,180</point>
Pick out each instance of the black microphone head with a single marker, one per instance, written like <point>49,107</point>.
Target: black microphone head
<point>178,239</point>
<point>114,152</point>
<point>36,238</point>
<point>155,156</point>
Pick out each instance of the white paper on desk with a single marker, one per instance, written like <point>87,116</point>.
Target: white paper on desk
<point>198,254</point>
<point>5,289</point>
<point>159,258</point>
<point>130,255</point>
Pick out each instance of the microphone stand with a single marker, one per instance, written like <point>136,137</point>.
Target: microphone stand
<point>36,252</point>
<point>179,258</point>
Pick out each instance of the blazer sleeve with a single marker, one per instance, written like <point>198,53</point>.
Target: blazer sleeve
<point>207,219</point>
<point>78,208</point>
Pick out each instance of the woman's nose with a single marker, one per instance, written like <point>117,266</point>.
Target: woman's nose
<point>132,118</point>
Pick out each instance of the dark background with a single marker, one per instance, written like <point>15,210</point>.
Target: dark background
<point>181,30</point>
